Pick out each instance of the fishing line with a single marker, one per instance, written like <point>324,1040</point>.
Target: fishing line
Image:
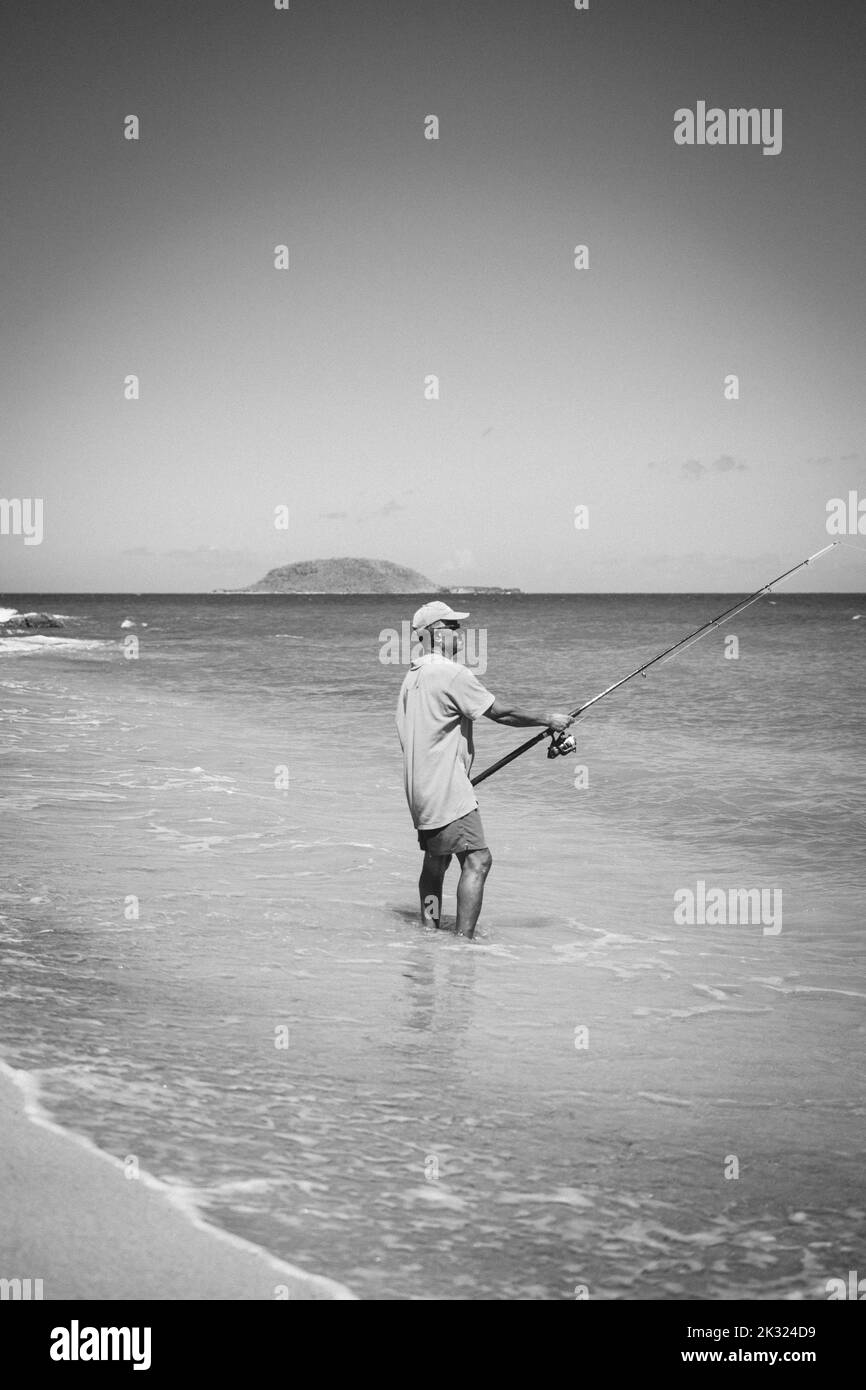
<point>561,744</point>
<point>861,549</point>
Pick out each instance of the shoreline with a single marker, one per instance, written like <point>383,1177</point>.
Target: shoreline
<point>70,1217</point>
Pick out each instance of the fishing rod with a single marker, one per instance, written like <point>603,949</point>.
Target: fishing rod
<point>562,743</point>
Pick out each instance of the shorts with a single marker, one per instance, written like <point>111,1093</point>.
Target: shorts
<point>459,836</point>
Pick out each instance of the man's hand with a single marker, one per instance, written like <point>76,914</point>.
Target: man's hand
<point>558,722</point>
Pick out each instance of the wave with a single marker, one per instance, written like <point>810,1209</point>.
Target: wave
<point>183,1199</point>
<point>7,614</point>
<point>42,642</point>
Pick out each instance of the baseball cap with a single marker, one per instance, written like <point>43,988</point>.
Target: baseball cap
<point>434,613</point>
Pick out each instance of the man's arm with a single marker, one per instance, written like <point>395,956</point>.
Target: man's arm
<point>519,719</point>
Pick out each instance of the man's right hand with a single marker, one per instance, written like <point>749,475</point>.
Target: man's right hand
<point>557,722</point>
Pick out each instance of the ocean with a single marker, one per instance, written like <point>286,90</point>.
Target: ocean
<point>212,968</point>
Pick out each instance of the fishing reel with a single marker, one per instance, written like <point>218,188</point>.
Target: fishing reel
<point>561,745</point>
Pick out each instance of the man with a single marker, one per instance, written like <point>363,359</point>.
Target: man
<point>439,700</point>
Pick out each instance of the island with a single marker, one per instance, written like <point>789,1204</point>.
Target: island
<point>351,575</point>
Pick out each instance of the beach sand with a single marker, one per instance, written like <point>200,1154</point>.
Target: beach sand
<point>70,1217</point>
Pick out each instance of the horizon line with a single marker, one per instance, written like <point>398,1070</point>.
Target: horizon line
<point>408,593</point>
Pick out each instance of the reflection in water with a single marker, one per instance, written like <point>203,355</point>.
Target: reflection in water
<point>441,985</point>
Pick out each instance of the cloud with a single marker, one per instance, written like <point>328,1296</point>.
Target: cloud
<point>387,509</point>
<point>207,554</point>
<point>460,560</point>
<point>693,468</point>
<point>358,513</point>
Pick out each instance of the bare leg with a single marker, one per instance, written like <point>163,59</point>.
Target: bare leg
<point>475,866</point>
<point>430,887</point>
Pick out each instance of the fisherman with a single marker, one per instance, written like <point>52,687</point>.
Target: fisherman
<point>439,699</point>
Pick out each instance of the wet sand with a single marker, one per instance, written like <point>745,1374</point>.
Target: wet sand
<point>70,1217</point>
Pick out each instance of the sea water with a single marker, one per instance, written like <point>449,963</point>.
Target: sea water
<point>211,963</point>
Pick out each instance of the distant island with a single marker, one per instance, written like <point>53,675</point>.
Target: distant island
<point>354,576</point>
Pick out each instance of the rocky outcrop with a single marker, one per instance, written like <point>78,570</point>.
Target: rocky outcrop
<point>342,576</point>
<point>20,622</point>
<point>348,575</point>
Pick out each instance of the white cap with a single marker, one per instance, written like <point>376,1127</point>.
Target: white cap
<point>434,613</point>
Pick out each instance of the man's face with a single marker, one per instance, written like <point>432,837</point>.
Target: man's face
<point>448,637</point>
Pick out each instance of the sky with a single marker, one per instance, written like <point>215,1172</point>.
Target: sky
<point>304,388</point>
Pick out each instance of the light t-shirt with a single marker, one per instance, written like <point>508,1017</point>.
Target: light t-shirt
<point>438,701</point>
